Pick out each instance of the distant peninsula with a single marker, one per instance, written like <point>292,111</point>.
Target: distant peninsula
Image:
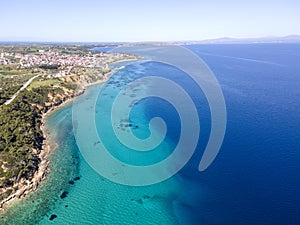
<point>228,40</point>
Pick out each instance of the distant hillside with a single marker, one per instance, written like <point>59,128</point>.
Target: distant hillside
<point>227,40</point>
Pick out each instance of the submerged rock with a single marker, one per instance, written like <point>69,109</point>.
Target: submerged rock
<point>77,178</point>
<point>52,217</point>
<point>71,182</point>
<point>140,201</point>
<point>146,197</point>
<point>64,194</point>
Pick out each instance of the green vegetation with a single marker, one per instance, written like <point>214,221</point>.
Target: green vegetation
<point>46,82</point>
<point>21,137</point>
<point>9,85</point>
<point>61,69</point>
<point>49,67</point>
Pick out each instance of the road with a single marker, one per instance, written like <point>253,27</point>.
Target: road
<point>22,88</point>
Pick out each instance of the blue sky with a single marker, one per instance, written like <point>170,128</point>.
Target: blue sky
<point>156,20</point>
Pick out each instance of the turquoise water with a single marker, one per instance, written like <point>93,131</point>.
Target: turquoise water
<point>64,167</point>
<point>254,180</point>
<point>91,199</point>
<point>95,200</point>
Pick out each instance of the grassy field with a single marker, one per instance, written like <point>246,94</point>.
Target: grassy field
<point>41,83</point>
<point>13,72</point>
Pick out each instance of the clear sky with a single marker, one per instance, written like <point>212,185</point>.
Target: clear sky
<point>139,20</point>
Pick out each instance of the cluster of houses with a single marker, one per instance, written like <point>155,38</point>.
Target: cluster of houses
<point>65,63</point>
<point>5,58</point>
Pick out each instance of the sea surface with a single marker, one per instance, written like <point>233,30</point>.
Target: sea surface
<point>254,180</point>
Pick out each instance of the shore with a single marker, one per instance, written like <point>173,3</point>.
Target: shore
<point>48,147</point>
<point>43,169</point>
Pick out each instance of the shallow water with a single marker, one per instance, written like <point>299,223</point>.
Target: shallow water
<point>255,179</point>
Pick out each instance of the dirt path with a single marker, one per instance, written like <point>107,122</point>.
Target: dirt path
<point>22,88</point>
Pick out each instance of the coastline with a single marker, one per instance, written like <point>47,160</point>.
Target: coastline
<point>45,151</point>
<point>48,147</point>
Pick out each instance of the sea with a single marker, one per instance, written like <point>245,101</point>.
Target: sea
<point>254,180</point>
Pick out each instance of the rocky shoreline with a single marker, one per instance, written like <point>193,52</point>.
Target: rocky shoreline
<point>47,148</point>
<point>43,168</point>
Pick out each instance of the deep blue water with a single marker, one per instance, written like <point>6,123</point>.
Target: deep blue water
<point>255,179</point>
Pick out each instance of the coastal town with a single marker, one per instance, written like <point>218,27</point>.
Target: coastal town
<point>66,64</point>
<point>35,80</point>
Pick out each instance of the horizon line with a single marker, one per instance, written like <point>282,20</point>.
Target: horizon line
<point>224,38</point>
